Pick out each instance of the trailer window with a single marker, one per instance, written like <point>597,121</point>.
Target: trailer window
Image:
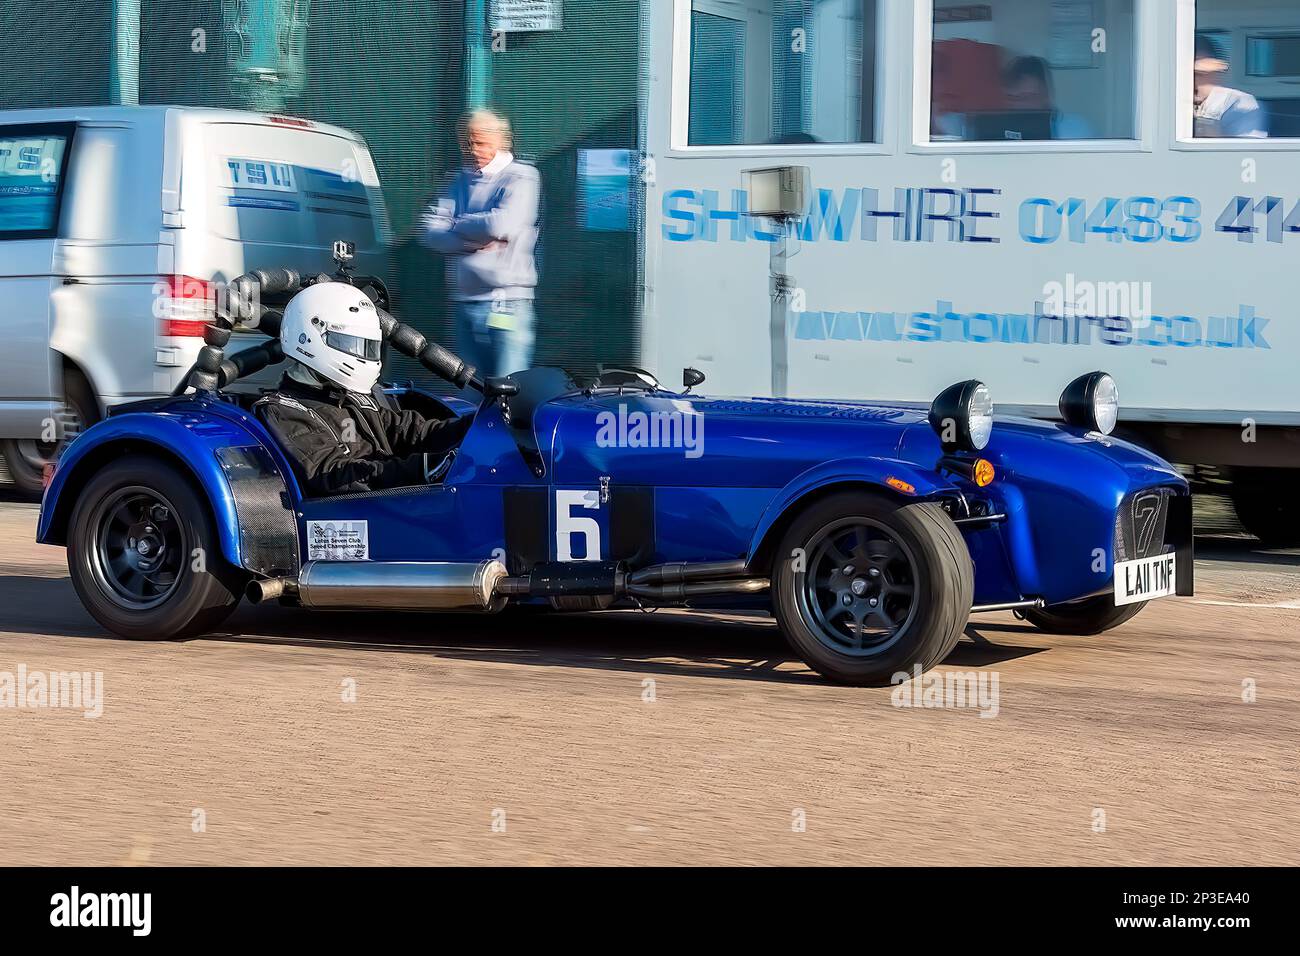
<point>31,181</point>
<point>1015,70</point>
<point>1245,67</point>
<point>782,72</point>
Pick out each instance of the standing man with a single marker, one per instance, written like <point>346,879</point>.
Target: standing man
<point>486,223</point>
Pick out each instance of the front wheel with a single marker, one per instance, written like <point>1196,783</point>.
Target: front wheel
<point>1079,618</point>
<point>865,588</point>
<point>143,554</point>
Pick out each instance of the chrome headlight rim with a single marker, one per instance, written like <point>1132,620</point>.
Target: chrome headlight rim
<point>962,416</point>
<point>1091,402</point>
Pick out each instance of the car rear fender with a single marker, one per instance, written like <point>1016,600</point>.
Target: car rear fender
<point>228,464</point>
<point>891,477</point>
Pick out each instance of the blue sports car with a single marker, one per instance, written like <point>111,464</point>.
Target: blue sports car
<point>870,531</point>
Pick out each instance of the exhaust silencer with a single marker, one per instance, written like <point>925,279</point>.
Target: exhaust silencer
<point>402,585</point>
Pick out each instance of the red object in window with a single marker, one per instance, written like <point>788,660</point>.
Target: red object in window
<point>966,77</point>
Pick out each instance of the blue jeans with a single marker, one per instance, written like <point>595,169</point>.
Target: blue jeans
<point>495,337</point>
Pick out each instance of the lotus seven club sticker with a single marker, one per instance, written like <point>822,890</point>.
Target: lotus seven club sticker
<point>338,541</point>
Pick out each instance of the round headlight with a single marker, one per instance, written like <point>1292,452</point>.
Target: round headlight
<point>962,416</point>
<point>1091,401</point>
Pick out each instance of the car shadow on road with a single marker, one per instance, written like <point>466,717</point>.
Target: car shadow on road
<point>724,645</point>
<point>659,644</point>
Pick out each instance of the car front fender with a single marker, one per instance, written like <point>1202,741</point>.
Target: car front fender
<point>891,476</point>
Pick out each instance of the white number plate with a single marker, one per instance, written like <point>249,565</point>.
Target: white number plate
<point>1145,578</point>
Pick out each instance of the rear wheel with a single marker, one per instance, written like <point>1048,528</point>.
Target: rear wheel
<point>26,457</point>
<point>864,587</point>
<point>1090,616</point>
<point>143,554</point>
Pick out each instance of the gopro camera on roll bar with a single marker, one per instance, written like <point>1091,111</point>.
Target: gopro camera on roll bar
<point>344,253</point>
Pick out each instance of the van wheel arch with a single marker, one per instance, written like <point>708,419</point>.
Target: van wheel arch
<point>80,408</point>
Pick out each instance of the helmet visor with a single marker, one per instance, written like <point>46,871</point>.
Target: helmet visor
<point>354,345</point>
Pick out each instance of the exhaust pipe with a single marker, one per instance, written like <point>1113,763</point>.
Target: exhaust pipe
<point>678,593</point>
<point>679,572</point>
<point>260,590</point>
<point>487,586</point>
<point>672,583</point>
<point>392,585</point>
<point>402,585</point>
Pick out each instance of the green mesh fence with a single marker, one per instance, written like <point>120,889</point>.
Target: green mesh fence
<point>54,52</point>
<point>393,71</point>
<point>566,91</point>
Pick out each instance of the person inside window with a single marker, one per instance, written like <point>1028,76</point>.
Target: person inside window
<point>1220,111</point>
<point>1027,82</point>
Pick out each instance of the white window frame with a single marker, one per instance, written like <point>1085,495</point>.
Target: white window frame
<point>886,116</point>
<point>1145,106</point>
<point>1182,138</point>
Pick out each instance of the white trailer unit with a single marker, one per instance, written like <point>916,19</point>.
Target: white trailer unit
<point>1018,191</point>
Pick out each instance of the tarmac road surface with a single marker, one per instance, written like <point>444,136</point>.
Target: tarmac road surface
<point>671,738</point>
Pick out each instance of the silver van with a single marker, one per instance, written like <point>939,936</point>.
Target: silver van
<point>117,226</point>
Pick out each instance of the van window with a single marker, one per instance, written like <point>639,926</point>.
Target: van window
<point>1012,70</point>
<point>31,181</point>
<point>293,187</point>
<point>1246,67</point>
<point>782,72</point>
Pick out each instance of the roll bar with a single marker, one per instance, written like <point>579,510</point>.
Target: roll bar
<point>212,371</point>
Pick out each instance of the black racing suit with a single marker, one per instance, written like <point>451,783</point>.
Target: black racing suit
<point>341,441</point>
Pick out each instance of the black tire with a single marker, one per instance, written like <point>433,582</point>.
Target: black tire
<point>910,558</point>
<point>120,543</point>
<point>26,458</point>
<point>1264,499</point>
<point>1089,616</point>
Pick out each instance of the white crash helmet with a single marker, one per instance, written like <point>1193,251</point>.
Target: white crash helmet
<point>333,329</point>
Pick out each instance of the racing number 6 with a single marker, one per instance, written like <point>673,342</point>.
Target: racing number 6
<point>567,525</point>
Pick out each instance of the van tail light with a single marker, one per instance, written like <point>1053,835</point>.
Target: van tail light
<point>184,305</point>
<point>292,121</point>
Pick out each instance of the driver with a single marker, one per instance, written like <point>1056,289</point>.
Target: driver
<point>330,416</point>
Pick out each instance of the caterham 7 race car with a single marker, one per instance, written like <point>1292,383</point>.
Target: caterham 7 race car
<point>870,531</point>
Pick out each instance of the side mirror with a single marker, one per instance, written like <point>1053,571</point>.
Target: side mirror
<point>692,377</point>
